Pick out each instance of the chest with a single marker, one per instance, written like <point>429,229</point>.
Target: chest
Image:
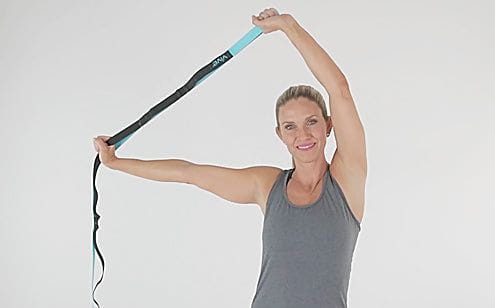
<point>302,198</point>
<point>351,188</point>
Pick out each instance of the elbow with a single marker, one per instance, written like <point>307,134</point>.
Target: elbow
<point>341,88</point>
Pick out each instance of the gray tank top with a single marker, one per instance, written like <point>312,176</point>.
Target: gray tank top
<point>307,250</point>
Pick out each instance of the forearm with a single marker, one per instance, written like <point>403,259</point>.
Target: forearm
<point>316,58</point>
<point>167,170</point>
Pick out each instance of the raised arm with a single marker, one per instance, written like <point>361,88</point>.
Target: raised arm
<point>348,129</point>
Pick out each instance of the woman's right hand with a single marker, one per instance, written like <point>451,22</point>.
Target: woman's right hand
<point>106,152</point>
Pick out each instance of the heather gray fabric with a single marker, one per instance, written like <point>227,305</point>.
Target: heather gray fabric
<point>307,251</point>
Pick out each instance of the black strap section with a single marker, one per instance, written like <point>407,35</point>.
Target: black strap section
<point>164,104</point>
<point>96,217</point>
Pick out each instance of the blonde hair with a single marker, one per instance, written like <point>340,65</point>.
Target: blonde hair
<point>297,91</point>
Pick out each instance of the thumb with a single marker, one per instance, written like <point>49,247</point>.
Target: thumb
<point>96,145</point>
<point>255,20</point>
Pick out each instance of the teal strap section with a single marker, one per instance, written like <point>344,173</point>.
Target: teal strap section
<point>245,40</point>
<point>118,144</point>
<point>237,47</point>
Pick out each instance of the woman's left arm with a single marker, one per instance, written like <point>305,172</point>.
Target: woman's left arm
<point>348,129</point>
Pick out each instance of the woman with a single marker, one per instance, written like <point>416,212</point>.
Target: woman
<point>312,212</point>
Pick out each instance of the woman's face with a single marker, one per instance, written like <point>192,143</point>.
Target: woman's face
<point>301,123</point>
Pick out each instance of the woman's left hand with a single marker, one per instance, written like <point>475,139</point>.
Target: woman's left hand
<point>270,20</point>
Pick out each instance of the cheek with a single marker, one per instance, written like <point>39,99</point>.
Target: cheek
<point>318,131</point>
<point>288,139</point>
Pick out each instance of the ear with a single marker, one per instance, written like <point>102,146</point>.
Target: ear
<point>329,124</point>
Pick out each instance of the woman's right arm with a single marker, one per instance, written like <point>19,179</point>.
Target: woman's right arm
<point>165,170</point>
<point>168,170</point>
<point>239,185</point>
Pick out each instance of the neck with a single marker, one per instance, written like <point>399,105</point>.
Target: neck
<point>308,175</point>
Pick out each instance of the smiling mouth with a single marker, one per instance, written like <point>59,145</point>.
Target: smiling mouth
<point>307,147</point>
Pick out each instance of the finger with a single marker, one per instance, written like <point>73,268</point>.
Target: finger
<point>255,20</point>
<point>103,140</point>
<point>273,11</point>
<point>262,14</point>
<point>270,12</point>
<point>100,143</point>
<point>95,144</point>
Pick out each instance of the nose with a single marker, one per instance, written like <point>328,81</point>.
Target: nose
<point>305,132</point>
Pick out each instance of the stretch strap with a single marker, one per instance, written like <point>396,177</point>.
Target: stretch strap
<point>126,133</point>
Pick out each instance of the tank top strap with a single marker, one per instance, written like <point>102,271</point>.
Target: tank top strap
<point>340,201</point>
<point>275,196</point>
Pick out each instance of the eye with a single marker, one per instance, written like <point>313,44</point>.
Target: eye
<point>288,126</point>
<point>314,121</point>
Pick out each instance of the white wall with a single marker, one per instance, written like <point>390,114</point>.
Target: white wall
<point>420,74</point>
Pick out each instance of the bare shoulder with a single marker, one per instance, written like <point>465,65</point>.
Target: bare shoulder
<point>352,182</point>
<point>239,185</point>
<point>265,178</point>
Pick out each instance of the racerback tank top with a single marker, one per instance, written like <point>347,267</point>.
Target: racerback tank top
<point>307,250</point>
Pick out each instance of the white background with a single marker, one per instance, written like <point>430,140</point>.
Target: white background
<point>421,74</point>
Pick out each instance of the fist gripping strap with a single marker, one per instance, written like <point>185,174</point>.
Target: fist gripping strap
<point>126,133</point>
